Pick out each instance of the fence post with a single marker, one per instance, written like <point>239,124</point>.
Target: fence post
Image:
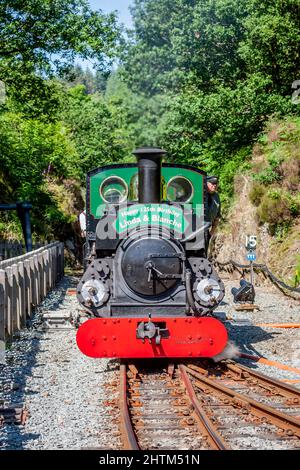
<point>32,282</point>
<point>21,285</point>
<point>62,260</point>
<point>55,264</point>
<point>15,299</point>
<point>40,275</point>
<point>57,250</point>
<point>44,266</point>
<point>24,282</point>
<point>2,310</point>
<point>27,288</point>
<point>50,252</point>
<point>58,262</point>
<point>47,276</point>
<point>10,306</point>
<point>36,280</point>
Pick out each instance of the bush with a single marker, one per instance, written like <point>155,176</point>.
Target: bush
<point>297,273</point>
<point>280,231</point>
<point>294,204</point>
<point>290,171</point>
<point>268,176</point>
<point>256,193</point>
<point>274,211</point>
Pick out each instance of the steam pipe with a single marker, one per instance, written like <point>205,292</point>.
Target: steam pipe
<point>189,291</point>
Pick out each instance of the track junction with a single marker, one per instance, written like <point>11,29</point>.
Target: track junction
<point>205,406</point>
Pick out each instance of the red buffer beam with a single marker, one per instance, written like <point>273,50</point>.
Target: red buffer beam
<point>185,337</point>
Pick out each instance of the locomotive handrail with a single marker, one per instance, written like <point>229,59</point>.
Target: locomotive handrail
<point>192,235</point>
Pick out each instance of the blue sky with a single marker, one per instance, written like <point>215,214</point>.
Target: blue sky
<point>110,5</point>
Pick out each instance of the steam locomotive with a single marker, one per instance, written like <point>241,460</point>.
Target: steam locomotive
<point>148,288</point>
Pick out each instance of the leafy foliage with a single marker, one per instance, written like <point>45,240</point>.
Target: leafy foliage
<point>30,150</point>
<point>93,82</point>
<point>39,151</point>
<point>218,69</point>
<point>271,42</point>
<point>182,41</point>
<point>256,193</point>
<point>275,188</point>
<point>42,38</point>
<point>199,78</point>
<point>32,31</point>
<point>96,129</point>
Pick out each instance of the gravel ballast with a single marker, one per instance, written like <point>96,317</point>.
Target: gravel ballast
<point>67,395</point>
<point>63,390</point>
<point>276,344</point>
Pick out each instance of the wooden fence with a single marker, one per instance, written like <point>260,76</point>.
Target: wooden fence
<point>11,249</point>
<point>24,282</point>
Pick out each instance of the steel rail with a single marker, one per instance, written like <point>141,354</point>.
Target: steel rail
<point>206,425</point>
<point>128,435</point>
<point>285,390</point>
<point>281,420</point>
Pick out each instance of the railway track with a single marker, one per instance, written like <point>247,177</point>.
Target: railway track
<point>203,406</point>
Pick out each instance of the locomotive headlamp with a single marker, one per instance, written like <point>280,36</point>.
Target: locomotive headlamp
<point>94,292</point>
<point>208,291</point>
<point>114,190</point>
<point>180,189</point>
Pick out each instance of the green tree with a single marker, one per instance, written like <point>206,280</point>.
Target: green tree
<point>218,68</point>
<point>95,129</point>
<point>271,42</point>
<point>39,41</point>
<point>200,127</point>
<point>185,41</point>
<point>212,42</point>
<point>138,116</point>
<point>33,151</point>
<point>33,31</point>
<point>40,38</point>
<point>78,76</point>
